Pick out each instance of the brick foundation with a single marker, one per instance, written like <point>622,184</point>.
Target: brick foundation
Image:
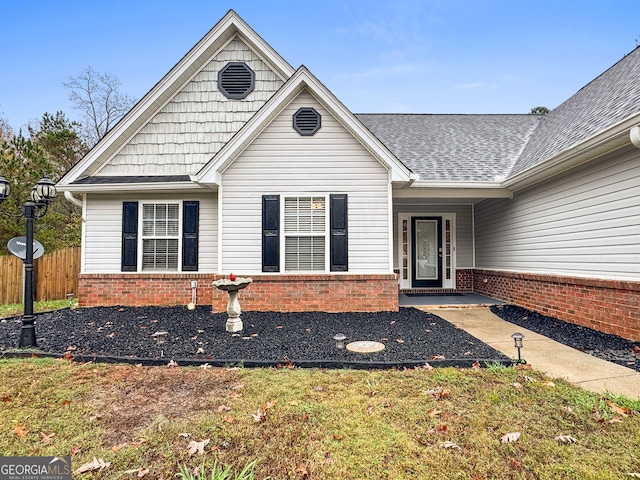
<point>283,293</point>
<point>610,306</point>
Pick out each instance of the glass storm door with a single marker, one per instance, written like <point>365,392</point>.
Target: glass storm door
<point>426,250</point>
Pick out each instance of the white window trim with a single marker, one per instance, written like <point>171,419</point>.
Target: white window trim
<point>284,235</point>
<point>142,238</point>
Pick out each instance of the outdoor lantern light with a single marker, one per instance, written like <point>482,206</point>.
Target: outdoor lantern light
<point>160,338</point>
<point>339,338</point>
<point>5,190</point>
<point>517,340</point>
<point>36,206</point>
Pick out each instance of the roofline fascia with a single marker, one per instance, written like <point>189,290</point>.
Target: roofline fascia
<point>128,187</point>
<point>613,138</point>
<point>436,189</point>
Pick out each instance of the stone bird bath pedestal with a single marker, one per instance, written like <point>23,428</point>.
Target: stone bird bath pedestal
<point>234,323</point>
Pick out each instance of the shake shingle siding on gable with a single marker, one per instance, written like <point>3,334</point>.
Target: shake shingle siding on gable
<point>607,100</point>
<point>457,148</point>
<point>187,132</point>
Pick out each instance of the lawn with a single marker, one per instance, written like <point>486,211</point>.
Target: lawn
<point>316,423</point>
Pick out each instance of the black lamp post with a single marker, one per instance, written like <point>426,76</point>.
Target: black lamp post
<point>42,194</point>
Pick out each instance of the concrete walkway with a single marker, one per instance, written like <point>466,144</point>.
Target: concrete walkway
<point>555,359</point>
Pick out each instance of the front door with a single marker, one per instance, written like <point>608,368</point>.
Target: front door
<point>426,241</point>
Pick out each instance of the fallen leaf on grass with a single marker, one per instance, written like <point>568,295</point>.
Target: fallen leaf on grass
<point>259,416</point>
<point>450,445</point>
<point>75,450</point>
<point>20,431</point>
<point>549,384</point>
<point>172,363</point>
<point>137,443</point>
<point>117,448</point>
<point>229,419</point>
<point>615,420</point>
<point>516,385</point>
<point>623,411</point>
<point>185,435</point>
<point>65,403</point>
<point>524,366</point>
<point>303,472</point>
<point>434,412</point>
<point>370,411</point>
<point>140,472</point>
<point>197,447</point>
<point>305,416</point>
<point>476,365</point>
<point>565,439</point>
<point>92,466</point>
<point>234,395</point>
<point>6,399</point>
<point>510,437</point>
<point>438,393</point>
<point>223,408</point>
<point>46,437</point>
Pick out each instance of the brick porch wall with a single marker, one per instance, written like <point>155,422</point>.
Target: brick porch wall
<point>284,293</point>
<point>609,306</point>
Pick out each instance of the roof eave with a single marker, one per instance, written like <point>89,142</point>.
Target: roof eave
<point>607,141</point>
<point>130,187</point>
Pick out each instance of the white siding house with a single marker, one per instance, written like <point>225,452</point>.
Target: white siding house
<point>237,162</point>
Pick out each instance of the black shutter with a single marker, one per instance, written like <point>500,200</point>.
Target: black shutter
<point>339,261</point>
<point>271,233</point>
<point>129,262</point>
<point>190,216</point>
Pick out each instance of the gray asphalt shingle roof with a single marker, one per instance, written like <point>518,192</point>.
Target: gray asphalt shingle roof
<point>454,147</point>
<point>607,100</point>
<point>481,147</point>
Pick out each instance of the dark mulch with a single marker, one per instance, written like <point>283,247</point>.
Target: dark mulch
<point>602,345</point>
<point>409,335</point>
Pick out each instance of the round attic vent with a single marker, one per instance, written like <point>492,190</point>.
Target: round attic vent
<point>306,121</point>
<point>236,80</point>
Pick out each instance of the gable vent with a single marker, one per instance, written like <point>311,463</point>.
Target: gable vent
<point>306,121</point>
<point>236,80</point>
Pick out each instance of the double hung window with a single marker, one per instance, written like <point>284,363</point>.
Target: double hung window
<point>305,233</point>
<point>160,236</point>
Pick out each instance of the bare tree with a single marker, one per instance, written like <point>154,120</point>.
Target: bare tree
<point>6,132</point>
<point>97,95</point>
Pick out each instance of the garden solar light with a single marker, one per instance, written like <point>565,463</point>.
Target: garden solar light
<point>160,338</point>
<point>70,298</point>
<point>339,338</point>
<point>517,340</point>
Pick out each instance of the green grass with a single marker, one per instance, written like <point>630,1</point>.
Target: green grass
<point>315,423</point>
<point>13,309</point>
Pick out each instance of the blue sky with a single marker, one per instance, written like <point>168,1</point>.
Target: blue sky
<point>380,56</point>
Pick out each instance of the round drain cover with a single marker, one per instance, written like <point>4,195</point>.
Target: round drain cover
<point>365,346</point>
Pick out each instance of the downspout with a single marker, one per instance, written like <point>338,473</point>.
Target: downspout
<point>634,135</point>
<point>76,201</point>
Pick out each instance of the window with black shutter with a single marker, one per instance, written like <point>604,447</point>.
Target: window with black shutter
<point>129,260</point>
<point>339,256</point>
<point>190,219</point>
<point>271,233</point>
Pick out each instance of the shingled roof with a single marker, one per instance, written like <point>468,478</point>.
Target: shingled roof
<point>455,148</point>
<point>478,148</point>
<point>607,100</point>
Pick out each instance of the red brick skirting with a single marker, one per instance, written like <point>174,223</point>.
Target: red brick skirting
<point>610,306</point>
<point>283,293</point>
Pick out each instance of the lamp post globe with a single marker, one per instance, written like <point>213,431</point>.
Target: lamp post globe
<point>42,194</point>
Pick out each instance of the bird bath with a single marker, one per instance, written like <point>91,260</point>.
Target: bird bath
<point>234,323</point>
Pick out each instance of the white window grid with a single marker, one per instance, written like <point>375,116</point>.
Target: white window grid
<point>305,233</point>
<point>160,240</point>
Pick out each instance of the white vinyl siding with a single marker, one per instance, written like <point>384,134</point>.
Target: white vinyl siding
<point>282,162</point>
<point>190,129</point>
<point>584,223</point>
<point>103,230</point>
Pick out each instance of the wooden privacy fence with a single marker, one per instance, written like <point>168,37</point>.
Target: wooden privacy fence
<point>54,275</point>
